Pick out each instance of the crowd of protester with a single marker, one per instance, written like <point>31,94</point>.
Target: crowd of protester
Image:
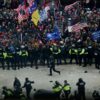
<point>16,36</point>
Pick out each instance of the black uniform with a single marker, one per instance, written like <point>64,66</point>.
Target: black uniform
<point>24,57</point>
<point>52,65</point>
<point>80,56</point>
<point>66,89</point>
<point>36,56</point>
<point>2,58</point>
<point>10,59</point>
<point>73,54</point>
<point>96,95</point>
<point>56,51</point>
<point>97,57</point>
<point>81,89</point>
<point>31,56</point>
<point>28,87</point>
<point>85,57</point>
<point>63,53</point>
<point>17,58</point>
<point>90,55</point>
<point>45,53</point>
<point>8,93</point>
<point>17,87</point>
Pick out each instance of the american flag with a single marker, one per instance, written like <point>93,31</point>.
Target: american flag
<point>77,27</point>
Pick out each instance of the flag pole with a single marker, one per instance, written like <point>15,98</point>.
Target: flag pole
<point>60,3</point>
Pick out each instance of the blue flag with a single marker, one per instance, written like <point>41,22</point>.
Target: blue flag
<point>55,35</point>
<point>96,35</point>
<point>43,15</point>
<point>33,7</point>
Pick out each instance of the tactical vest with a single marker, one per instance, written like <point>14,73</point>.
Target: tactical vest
<point>57,89</point>
<point>67,88</point>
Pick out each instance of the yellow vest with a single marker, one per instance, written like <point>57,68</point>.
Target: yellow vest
<point>57,89</point>
<point>67,88</point>
<point>5,55</point>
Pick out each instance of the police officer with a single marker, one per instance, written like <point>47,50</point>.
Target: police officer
<point>57,89</point>
<point>90,54</point>
<point>17,58</point>
<point>56,52</point>
<point>63,54</point>
<point>80,55</point>
<point>97,57</point>
<point>31,56</point>
<point>52,65</point>
<point>96,95</point>
<point>85,57</point>
<point>73,54</point>
<point>10,59</point>
<point>81,89</point>
<point>17,84</point>
<point>36,56</point>
<point>2,58</point>
<point>8,94</point>
<point>28,87</point>
<point>66,89</point>
<point>24,56</point>
<point>17,87</point>
<point>45,54</point>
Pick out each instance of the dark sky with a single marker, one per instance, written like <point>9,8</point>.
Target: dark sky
<point>64,2</point>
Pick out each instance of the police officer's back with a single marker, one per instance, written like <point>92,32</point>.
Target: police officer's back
<point>10,58</point>
<point>66,88</point>
<point>81,88</point>
<point>2,57</point>
<point>52,61</point>
<point>52,65</point>
<point>73,54</point>
<point>17,84</point>
<point>17,87</point>
<point>57,89</point>
<point>8,93</point>
<point>97,57</point>
<point>96,95</point>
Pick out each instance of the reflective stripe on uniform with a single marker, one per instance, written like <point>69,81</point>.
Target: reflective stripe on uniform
<point>57,89</point>
<point>67,88</point>
<point>82,52</point>
<point>5,55</point>
<point>9,93</point>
